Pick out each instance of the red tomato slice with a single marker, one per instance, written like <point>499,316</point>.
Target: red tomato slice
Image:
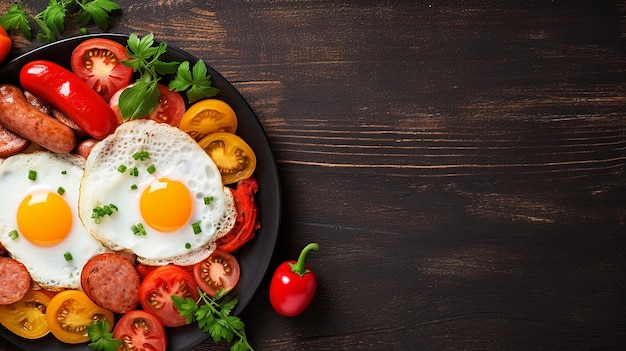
<point>247,222</point>
<point>140,331</point>
<point>170,110</point>
<point>5,44</point>
<point>218,271</point>
<point>98,62</point>
<point>157,288</point>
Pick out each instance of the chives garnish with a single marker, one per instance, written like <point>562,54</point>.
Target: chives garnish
<point>61,190</point>
<point>187,246</point>
<point>134,172</point>
<point>68,256</point>
<point>141,155</point>
<point>151,169</point>
<point>13,234</point>
<point>208,200</point>
<point>138,229</point>
<point>32,175</point>
<point>133,187</point>
<point>196,227</point>
<point>100,211</point>
<point>122,168</point>
<point>63,172</point>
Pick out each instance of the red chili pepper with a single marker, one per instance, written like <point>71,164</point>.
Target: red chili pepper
<point>293,285</point>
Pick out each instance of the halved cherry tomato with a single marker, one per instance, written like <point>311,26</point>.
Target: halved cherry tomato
<point>247,222</point>
<point>69,94</point>
<point>27,317</point>
<point>170,110</point>
<point>5,44</point>
<point>208,116</point>
<point>70,312</point>
<point>218,271</point>
<point>141,331</point>
<point>156,290</point>
<point>232,155</point>
<point>98,62</point>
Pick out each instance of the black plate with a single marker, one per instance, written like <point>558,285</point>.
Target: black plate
<point>254,258</point>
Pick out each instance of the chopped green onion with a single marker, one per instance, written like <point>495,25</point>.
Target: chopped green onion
<point>63,172</point>
<point>133,187</point>
<point>100,211</point>
<point>187,246</point>
<point>13,234</point>
<point>141,155</point>
<point>32,175</point>
<point>196,227</point>
<point>61,190</point>
<point>122,168</point>
<point>151,169</point>
<point>68,256</point>
<point>134,172</point>
<point>208,200</point>
<point>138,229</point>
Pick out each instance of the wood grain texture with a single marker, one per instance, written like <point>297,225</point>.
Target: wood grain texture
<point>461,163</point>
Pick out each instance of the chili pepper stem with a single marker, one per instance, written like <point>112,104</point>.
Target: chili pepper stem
<point>298,267</point>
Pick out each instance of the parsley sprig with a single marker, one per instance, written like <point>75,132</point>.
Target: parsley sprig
<point>141,98</point>
<point>51,21</point>
<point>213,316</point>
<point>101,338</point>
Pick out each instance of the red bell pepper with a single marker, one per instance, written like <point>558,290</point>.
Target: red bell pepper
<point>293,285</point>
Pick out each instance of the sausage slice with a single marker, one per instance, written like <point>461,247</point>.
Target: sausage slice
<point>111,282</point>
<point>14,281</point>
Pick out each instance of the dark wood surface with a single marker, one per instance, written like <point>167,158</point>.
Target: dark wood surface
<point>460,163</point>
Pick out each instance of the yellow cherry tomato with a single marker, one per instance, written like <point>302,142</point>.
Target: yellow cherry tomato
<point>208,116</point>
<point>70,312</point>
<point>232,155</point>
<point>27,317</point>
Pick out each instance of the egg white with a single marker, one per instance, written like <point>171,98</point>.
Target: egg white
<point>47,265</point>
<point>175,155</point>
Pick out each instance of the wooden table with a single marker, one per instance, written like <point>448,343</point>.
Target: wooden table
<point>461,164</point>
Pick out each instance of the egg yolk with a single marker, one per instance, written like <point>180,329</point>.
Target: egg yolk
<point>166,205</point>
<point>44,218</point>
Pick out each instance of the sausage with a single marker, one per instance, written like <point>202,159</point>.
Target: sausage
<point>14,281</point>
<point>37,102</point>
<point>63,118</point>
<point>85,146</point>
<point>20,117</point>
<point>11,143</point>
<point>111,282</point>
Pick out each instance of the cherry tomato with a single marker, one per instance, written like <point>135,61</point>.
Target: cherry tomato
<point>170,110</point>
<point>293,285</point>
<point>70,312</point>
<point>141,331</point>
<point>70,95</point>
<point>98,62</point>
<point>27,317</point>
<point>5,44</point>
<point>208,116</point>
<point>218,271</point>
<point>156,290</point>
<point>247,222</point>
<point>232,155</point>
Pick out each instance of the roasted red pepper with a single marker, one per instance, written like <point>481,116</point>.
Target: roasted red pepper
<point>293,285</point>
<point>247,222</point>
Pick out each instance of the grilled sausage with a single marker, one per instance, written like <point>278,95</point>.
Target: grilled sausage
<point>21,118</point>
<point>14,281</point>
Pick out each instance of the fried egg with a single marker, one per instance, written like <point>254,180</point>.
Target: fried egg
<point>39,223</point>
<point>151,190</point>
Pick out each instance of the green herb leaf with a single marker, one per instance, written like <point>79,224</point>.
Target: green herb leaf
<point>98,11</point>
<point>17,18</point>
<point>197,82</point>
<point>139,100</point>
<point>101,338</point>
<point>213,316</point>
<point>54,16</point>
